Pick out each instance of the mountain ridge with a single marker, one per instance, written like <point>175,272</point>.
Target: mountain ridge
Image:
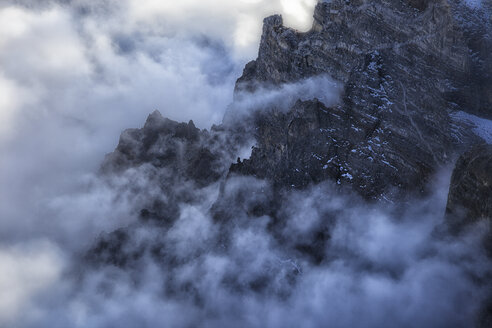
<point>404,69</point>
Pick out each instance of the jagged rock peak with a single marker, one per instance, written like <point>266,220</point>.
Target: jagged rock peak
<point>154,118</point>
<point>404,67</point>
<point>273,22</point>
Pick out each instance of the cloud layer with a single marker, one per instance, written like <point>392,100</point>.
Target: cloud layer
<point>380,267</point>
<point>74,74</point>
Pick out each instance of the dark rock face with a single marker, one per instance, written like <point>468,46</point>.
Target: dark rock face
<point>312,143</point>
<point>404,67</point>
<point>177,157</point>
<point>439,47</point>
<point>470,193</point>
<point>470,201</point>
<point>186,150</point>
<point>476,25</point>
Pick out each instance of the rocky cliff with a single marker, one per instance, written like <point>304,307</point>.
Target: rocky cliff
<point>404,69</point>
<point>470,193</point>
<point>470,202</point>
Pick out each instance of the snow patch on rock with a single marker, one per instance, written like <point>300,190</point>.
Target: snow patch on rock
<point>481,127</point>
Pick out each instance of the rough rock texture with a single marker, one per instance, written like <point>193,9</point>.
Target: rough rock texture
<point>476,25</point>
<point>186,150</point>
<point>470,192</point>
<point>440,44</point>
<point>470,201</point>
<point>176,157</point>
<point>404,67</point>
<point>309,144</point>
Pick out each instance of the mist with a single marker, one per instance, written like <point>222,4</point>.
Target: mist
<point>380,267</point>
<point>75,73</point>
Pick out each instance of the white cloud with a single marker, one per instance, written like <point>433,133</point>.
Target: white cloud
<point>11,100</point>
<point>25,272</point>
<point>40,44</point>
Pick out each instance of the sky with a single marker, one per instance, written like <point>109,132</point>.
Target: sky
<point>75,73</point>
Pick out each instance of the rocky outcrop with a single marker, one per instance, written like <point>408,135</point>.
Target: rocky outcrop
<point>476,26</point>
<point>176,158</point>
<point>189,152</point>
<point>344,32</point>
<point>404,67</point>
<point>312,143</point>
<point>470,202</point>
<point>470,192</point>
<point>443,43</point>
